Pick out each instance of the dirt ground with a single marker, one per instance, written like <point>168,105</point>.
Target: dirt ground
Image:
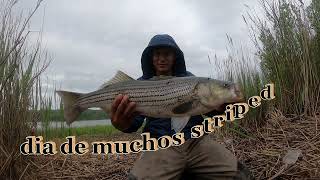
<point>268,155</point>
<point>88,166</point>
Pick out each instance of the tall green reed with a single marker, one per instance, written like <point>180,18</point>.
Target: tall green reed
<point>21,64</point>
<point>287,53</point>
<point>288,46</point>
<point>243,68</point>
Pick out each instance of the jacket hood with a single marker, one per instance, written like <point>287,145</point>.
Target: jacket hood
<point>146,58</point>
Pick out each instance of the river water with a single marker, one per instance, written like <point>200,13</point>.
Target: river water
<point>82,123</point>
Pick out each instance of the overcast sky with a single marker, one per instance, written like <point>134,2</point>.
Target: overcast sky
<point>90,40</point>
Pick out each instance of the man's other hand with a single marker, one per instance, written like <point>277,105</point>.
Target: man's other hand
<point>122,112</point>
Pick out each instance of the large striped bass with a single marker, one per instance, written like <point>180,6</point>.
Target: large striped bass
<point>158,97</point>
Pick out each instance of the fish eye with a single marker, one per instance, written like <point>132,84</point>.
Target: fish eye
<point>226,85</point>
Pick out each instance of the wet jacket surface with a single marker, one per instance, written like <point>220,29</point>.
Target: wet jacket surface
<point>158,127</point>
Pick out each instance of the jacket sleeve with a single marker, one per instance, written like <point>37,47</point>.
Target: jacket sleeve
<point>215,112</point>
<point>136,124</point>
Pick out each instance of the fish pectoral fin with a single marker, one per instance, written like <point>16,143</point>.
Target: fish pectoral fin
<point>119,77</point>
<point>178,123</point>
<point>183,108</point>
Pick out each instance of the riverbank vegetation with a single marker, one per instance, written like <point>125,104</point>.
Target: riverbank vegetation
<point>62,132</point>
<point>89,114</point>
<point>287,53</point>
<point>21,64</point>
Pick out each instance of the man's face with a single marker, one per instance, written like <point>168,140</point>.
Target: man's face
<point>163,59</point>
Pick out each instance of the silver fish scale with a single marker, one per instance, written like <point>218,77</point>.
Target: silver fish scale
<point>149,95</point>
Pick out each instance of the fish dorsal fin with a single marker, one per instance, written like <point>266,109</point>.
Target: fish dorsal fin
<point>161,77</point>
<point>119,77</point>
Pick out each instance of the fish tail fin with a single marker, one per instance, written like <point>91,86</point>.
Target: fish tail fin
<point>71,109</point>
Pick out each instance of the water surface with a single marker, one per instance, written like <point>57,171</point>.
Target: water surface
<point>82,123</point>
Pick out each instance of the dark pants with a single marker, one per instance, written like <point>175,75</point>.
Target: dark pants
<point>201,158</point>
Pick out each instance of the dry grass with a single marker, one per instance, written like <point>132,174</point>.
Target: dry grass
<point>87,166</point>
<point>263,154</point>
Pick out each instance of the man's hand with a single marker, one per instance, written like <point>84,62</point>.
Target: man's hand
<point>122,112</point>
